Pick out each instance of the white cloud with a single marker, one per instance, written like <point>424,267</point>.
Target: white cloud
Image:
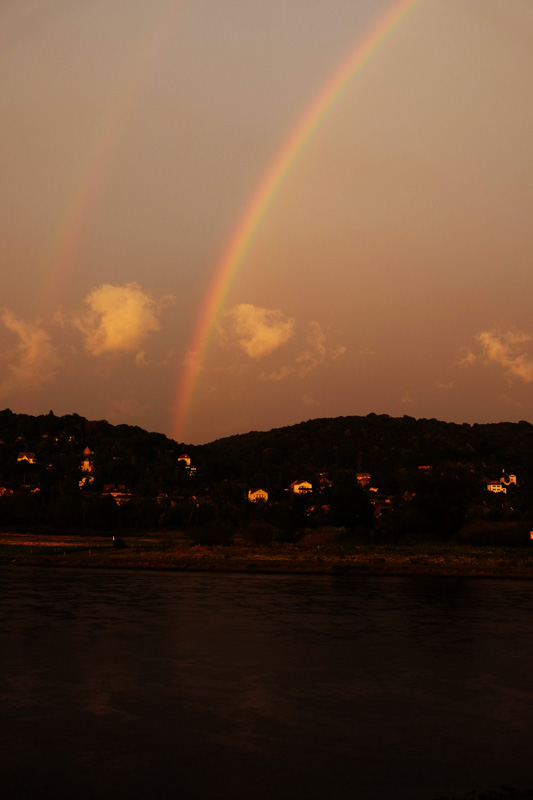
<point>337,352</point>
<point>278,374</point>
<point>314,354</point>
<point>468,358</point>
<point>507,349</point>
<point>34,360</point>
<point>140,359</point>
<point>258,331</point>
<point>119,318</point>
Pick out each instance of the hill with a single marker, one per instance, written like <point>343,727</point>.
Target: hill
<point>376,443</point>
<point>385,475</point>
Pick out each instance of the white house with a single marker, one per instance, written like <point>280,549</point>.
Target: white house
<point>118,493</point>
<point>301,487</point>
<point>257,496</point>
<point>29,457</point>
<point>496,487</point>
<point>187,461</point>
<point>507,480</point>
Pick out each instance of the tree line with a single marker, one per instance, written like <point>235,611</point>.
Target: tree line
<point>211,502</point>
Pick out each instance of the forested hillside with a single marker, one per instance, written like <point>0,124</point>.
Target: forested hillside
<point>376,443</point>
<point>387,476</point>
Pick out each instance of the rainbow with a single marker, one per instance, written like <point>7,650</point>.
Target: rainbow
<point>263,194</point>
<point>141,65</point>
<point>81,207</point>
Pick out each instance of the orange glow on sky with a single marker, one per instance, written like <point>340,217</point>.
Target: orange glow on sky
<point>391,269</point>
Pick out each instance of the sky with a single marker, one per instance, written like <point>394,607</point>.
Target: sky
<point>223,217</point>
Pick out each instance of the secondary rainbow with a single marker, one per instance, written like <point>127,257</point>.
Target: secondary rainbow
<point>141,65</point>
<point>265,191</point>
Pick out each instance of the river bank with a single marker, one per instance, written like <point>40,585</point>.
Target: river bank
<point>171,553</point>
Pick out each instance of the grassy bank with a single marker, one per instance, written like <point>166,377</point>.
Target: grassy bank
<point>173,552</point>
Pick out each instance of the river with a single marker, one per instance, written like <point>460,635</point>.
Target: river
<point>122,684</point>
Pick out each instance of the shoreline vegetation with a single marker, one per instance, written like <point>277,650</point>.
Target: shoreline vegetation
<point>372,494</point>
<point>173,552</point>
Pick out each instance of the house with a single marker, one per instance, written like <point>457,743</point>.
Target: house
<point>496,487</point>
<point>187,461</point>
<point>257,496</point>
<point>87,463</point>
<point>301,487</point>
<point>118,493</point>
<point>29,457</point>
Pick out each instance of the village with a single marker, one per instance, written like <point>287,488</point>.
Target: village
<point>94,476</point>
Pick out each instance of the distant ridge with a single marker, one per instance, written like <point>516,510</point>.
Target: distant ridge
<point>372,442</point>
<point>394,476</point>
<point>380,443</point>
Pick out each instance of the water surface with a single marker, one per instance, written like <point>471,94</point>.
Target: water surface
<point>143,684</point>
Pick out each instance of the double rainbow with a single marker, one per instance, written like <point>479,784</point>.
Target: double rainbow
<point>137,69</point>
<point>263,194</point>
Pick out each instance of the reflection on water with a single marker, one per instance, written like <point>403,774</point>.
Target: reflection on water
<point>138,685</point>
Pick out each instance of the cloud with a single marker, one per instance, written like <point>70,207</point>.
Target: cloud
<point>34,360</point>
<point>507,350</point>
<point>444,385</point>
<point>468,358</point>
<point>337,352</point>
<point>278,374</point>
<point>140,359</point>
<point>314,354</point>
<point>119,318</point>
<point>309,401</point>
<point>258,331</point>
